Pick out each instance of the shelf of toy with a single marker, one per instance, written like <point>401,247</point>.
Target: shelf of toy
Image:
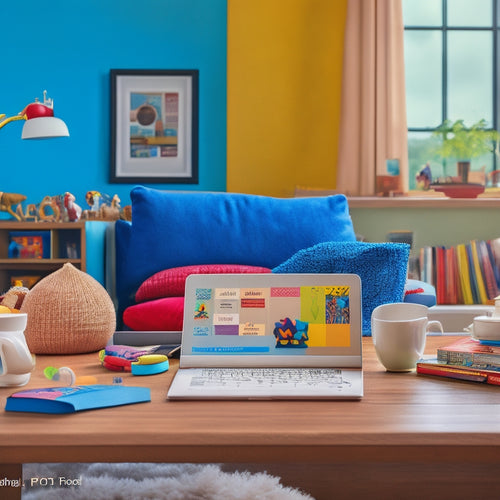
<point>59,242</point>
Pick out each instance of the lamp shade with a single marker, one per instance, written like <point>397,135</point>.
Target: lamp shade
<point>46,126</point>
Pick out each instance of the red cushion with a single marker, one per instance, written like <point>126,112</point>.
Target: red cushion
<point>156,315</point>
<point>170,282</point>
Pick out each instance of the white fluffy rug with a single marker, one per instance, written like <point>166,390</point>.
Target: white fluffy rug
<point>132,481</point>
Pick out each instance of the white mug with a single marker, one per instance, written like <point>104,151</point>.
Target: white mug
<point>16,361</point>
<point>399,333</point>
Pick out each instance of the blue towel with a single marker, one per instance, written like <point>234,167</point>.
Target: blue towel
<point>382,268</point>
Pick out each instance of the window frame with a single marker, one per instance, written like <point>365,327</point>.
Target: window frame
<point>445,29</point>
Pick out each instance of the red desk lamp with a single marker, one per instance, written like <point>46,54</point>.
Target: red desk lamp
<point>40,120</point>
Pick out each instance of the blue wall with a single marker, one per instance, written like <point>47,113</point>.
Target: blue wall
<point>68,47</point>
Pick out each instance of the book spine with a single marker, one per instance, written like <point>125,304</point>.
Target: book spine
<point>463,272</point>
<point>481,288</point>
<point>472,275</point>
<point>473,359</point>
<point>495,263</point>
<point>451,282</point>
<point>440,276</point>
<point>428,271</point>
<point>488,272</point>
<point>458,373</point>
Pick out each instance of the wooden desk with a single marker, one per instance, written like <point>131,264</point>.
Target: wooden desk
<point>410,436</point>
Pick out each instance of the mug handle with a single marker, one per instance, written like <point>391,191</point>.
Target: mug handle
<point>23,362</point>
<point>434,323</point>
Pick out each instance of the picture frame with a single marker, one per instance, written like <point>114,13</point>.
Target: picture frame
<point>154,126</point>
<point>29,245</point>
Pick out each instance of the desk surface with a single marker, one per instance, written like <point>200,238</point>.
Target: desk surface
<point>432,418</point>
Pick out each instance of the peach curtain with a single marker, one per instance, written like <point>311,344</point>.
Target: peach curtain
<point>373,117</point>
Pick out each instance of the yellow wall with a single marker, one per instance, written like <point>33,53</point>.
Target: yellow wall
<point>283,85</point>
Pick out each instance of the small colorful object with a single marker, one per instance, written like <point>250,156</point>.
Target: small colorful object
<point>150,364</point>
<point>66,376</point>
<point>146,361</point>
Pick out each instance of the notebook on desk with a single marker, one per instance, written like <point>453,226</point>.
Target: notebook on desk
<point>270,336</point>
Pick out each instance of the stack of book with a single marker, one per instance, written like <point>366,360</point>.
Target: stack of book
<point>465,359</point>
<point>467,273</point>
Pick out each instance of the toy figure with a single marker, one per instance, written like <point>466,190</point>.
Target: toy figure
<point>7,200</point>
<point>102,206</point>
<point>73,210</point>
<point>424,177</point>
<point>31,212</point>
<point>51,203</point>
<point>112,211</point>
<point>94,200</point>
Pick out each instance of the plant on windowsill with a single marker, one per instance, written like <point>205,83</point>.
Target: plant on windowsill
<point>464,143</point>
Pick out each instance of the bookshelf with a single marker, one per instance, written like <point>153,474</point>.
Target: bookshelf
<point>467,273</point>
<point>435,222</point>
<point>66,243</point>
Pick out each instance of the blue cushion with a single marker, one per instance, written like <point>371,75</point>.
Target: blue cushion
<point>173,229</point>
<point>382,268</point>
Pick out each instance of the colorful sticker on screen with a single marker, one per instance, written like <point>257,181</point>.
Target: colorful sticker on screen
<point>286,317</point>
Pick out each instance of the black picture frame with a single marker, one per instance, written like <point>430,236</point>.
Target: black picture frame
<point>154,126</point>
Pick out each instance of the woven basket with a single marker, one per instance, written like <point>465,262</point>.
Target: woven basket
<point>69,312</point>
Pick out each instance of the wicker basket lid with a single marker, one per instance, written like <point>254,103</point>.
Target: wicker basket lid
<point>69,312</point>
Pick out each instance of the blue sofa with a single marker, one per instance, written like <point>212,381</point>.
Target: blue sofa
<point>170,229</point>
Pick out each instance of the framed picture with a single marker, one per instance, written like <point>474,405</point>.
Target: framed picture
<point>154,126</point>
<point>29,245</point>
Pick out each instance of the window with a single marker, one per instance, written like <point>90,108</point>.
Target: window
<point>451,72</point>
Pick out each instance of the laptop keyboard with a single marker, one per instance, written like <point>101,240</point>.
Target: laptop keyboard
<point>299,378</point>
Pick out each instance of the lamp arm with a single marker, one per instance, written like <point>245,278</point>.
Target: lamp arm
<point>11,119</point>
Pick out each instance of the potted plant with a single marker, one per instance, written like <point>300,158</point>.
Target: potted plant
<point>464,143</point>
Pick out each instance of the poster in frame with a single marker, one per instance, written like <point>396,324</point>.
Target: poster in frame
<point>154,126</point>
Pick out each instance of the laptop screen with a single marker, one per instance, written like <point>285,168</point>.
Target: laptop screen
<point>288,317</point>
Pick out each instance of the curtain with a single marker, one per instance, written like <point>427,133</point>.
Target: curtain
<point>373,117</point>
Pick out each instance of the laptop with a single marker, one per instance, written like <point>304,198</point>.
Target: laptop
<point>270,336</point>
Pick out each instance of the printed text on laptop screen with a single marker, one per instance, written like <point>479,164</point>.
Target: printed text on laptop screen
<point>283,320</point>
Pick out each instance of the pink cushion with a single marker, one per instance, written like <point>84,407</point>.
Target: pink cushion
<point>170,282</point>
<point>156,315</point>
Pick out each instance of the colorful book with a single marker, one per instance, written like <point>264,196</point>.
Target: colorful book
<point>494,263</point>
<point>451,276</point>
<point>481,288</point>
<point>440,275</point>
<point>463,272</point>
<point>434,367</point>
<point>426,264</point>
<point>472,276</point>
<point>487,270</point>
<point>495,246</point>
<point>470,352</point>
<point>75,398</point>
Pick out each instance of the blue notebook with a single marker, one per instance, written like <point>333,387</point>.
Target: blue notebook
<point>75,398</point>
